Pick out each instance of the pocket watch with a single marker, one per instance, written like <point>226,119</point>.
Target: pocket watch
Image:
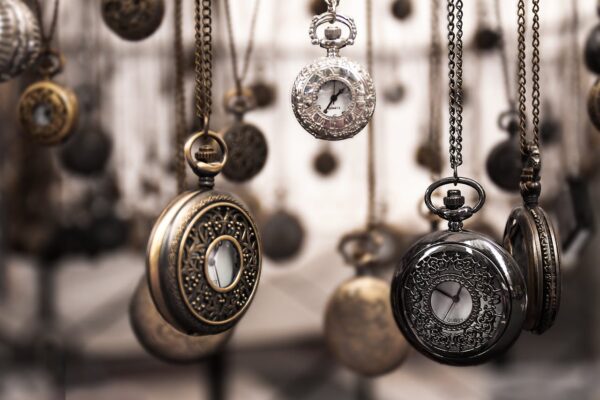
<point>359,325</point>
<point>530,238</point>
<point>282,236</point>
<point>47,111</point>
<point>204,254</point>
<point>503,164</point>
<point>88,152</point>
<point>402,9</point>
<point>592,50</point>
<point>20,37</point>
<point>593,104</point>
<point>247,146</point>
<point>458,297</point>
<point>133,19</point>
<point>333,98</point>
<point>162,340</point>
<point>325,162</point>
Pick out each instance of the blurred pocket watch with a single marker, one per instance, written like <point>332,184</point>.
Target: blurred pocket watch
<point>163,341</point>
<point>20,38</point>
<point>504,164</point>
<point>402,9</point>
<point>317,7</point>
<point>88,152</point>
<point>133,19</point>
<point>325,162</point>
<point>248,149</point>
<point>359,325</point>
<point>204,253</point>
<point>47,111</point>
<point>593,104</point>
<point>282,235</point>
<point>333,98</point>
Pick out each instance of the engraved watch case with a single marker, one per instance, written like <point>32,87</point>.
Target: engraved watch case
<point>163,341</point>
<point>133,19</point>
<point>458,297</point>
<point>204,253</point>
<point>333,98</point>
<point>20,38</point>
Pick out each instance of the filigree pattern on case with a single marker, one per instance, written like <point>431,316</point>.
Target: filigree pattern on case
<point>247,152</point>
<point>474,273</point>
<point>217,220</point>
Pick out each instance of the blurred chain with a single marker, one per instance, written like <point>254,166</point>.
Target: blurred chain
<point>504,56</point>
<point>455,75</point>
<point>47,35</point>
<point>203,61</point>
<point>180,117</point>
<point>371,173</point>
<point>535,70</point>
<point>240,77</point>
<point>435,84</point>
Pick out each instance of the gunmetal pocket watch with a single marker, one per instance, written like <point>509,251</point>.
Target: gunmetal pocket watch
<point>458,297</point>
<point>204,253</point>
<point>133,19</point>
<point>162,340</point>
<point>48,111</point>
<point>248,149</point>
<point>359,325</point>
<point>333,98</point>
<point>530,238</point>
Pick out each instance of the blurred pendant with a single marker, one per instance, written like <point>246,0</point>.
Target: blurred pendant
<point>133,19</point>
<point>88,152</point>
<point>504,163</point>
<point>282,236</point>
<point>162,340</point>
<point>325,162</point>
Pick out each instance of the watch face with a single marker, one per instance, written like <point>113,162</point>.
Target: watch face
<point>334,98</point>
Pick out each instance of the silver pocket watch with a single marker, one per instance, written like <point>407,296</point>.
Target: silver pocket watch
<point>333,98</point>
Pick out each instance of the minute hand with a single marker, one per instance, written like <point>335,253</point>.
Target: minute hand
<point>333,100</point>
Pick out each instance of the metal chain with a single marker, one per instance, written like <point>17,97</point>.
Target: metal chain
<point>240,77</point>
<point>504,56</point>
<point>535,70</point>
<point>435,83</point>
<point>203,61</point>
<point>47,36</point>
<point>455,75</point>
<point>371,173</point>
<point>180,117</point>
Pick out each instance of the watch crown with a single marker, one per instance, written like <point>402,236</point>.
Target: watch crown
<point>454,200</point>
<point>333,32</point>
<point>207,153</point>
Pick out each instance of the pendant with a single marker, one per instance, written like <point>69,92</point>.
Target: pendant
<point>504,164</point>
<point>282,235</point>
<point>133,19</point>
<point>530,238</point>
<point>402,9</point>
<point>264,93</point>
<point>204,253</point>
<point>88,152</point>
<point>247,146</point>
<point>360,329</point>
<point>47,111</point>
<point>458,297</point>
<point>162,340</point>
<point>333,98</point>
<point>20,38</point>
<point>325,162</point>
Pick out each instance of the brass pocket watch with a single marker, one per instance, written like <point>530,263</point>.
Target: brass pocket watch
<point>47,111</point>
<point>163,341</point>
<point>20,37</point>
<point>530,238</point>
<point>247,146</point>
<point>333,98</point>
<point>359,325</point>
<point>204,254</point>
<point>133,19</point>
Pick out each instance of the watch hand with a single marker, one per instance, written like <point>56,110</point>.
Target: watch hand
<point>333,100</point>
<point>450,309</point>
<point>444,293</point>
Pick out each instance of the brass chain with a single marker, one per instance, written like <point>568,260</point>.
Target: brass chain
<point>371,173</point>
<point>455,81</point>
<point>535,70</point>
<point>435,83</point>
<point>241,77</point>
<point>180,117</point>
<point>47,35</point>
<point>203,59</point>
<point>504,56</point>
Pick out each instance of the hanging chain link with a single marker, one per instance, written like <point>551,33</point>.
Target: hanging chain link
<point>371,173</point>
<point>180,117</point>
<point>240,77</point>
<point>535,70</point>
<point>203,61</point>
<point>435,83</point>
<point>47,35</point>
<point>455,75</point>
<point>508,92</point>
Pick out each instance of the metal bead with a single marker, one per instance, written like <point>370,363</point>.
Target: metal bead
<point>19,38</point>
